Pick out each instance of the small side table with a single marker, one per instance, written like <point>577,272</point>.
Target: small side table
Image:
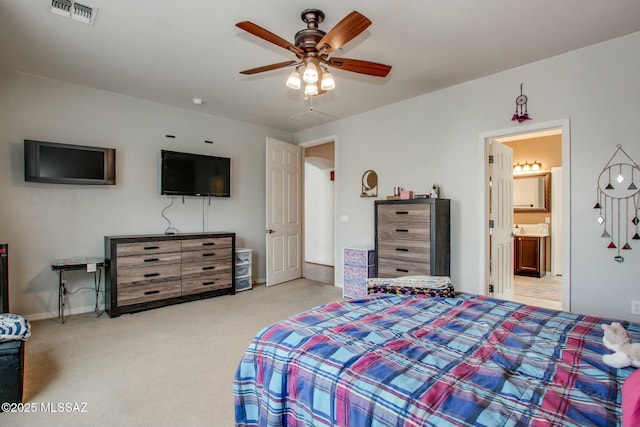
<point>90,265</point>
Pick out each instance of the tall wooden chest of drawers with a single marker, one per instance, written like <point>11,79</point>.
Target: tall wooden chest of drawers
<point>412,237</point>
<point>149,271</point>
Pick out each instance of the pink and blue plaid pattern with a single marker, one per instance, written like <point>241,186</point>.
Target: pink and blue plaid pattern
<point>397,360</point>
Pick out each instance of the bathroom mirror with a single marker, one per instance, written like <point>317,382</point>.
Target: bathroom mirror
<point>532,193</point>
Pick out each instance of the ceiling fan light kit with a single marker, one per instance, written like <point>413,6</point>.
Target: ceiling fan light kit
<point>294,80</point>
<point>313,48</point>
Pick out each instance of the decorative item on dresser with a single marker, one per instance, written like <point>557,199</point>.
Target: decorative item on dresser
<point>412,237</point>
<point>149,271</point>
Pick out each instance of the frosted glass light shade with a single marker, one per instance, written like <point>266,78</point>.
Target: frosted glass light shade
<point>311,89</point>
<point>327,81</point>
<point>294,80</point>
<point>310,74</point>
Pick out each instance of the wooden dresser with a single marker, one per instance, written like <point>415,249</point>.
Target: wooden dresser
<point>412,237</point>
<point>149,271</point>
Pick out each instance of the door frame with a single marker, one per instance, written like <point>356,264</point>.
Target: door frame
<point>484,249</point>
<point>336,180</point>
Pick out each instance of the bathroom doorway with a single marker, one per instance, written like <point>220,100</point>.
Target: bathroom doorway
<point>545,145</point>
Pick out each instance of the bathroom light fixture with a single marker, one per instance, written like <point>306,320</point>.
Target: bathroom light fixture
<point>527,167</point>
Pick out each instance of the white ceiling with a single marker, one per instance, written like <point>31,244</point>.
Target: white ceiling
<point>173,51</point>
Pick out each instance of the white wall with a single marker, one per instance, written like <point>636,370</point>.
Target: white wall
<point>319,215</point>
<point>435,138</point>
<point>43,222</point>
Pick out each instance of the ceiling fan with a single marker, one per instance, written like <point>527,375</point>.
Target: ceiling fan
<point>313,48</point>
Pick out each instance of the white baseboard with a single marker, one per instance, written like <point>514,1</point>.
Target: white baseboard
<point>54,314</point>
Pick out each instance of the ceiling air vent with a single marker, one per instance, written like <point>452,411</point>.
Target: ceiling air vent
<point>80,12</point>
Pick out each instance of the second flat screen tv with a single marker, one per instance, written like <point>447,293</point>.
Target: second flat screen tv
<point>185,174</point>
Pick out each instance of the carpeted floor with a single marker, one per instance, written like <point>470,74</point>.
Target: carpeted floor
<point>171,366</point>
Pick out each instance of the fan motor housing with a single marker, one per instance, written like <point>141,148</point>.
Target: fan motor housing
<point>308,39</point>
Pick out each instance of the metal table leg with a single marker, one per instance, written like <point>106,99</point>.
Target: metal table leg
<point>62,295</point>
<point>97,276</point>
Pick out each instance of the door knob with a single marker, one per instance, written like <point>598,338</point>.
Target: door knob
<point>269,231</point>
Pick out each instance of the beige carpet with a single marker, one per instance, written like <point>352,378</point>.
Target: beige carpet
<point>171,366</point>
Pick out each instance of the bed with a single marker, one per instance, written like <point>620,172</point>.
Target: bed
<point>408,360</point>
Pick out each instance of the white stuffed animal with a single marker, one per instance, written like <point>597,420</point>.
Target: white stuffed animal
<point>617,338</point>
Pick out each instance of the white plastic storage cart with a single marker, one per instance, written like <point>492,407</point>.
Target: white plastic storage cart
<point>243,269</point>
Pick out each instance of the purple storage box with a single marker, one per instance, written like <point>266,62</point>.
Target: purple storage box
<point>360,257</point>
<point>354,290</point>
<point>351,273</point>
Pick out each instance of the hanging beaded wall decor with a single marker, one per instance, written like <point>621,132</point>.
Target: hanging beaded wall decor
<point>618,201</point>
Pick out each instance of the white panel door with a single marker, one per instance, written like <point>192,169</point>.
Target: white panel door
<point>502,216</point>
<point>284,222</point>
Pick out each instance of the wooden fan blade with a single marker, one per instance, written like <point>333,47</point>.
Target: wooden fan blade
<point>344,31</point>
<point>358,66</point>
<point>267,35</point>
<point>269,67</point>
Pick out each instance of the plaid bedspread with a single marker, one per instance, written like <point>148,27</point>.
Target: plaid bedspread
<point>397,360</point>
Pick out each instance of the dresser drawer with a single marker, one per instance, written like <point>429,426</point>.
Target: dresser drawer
<point>408,231</point>
<point>410,250</point>
<point>206,267</point>
<point>138,248</point>
<point>148,274</point>
<point>397,268</point>
<point>206,243</point>
<point>149,260</point>
<point>404,213</point>
<point>204,284</point>
<point>206,254</point>
<point>150,292</point>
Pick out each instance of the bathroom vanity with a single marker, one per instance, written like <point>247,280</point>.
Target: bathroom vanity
<point>530,243</point>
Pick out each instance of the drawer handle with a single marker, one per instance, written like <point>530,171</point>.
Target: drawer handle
<point>401,230</point>
<point>151,274</point>
<point>210,267</point>
<point>402,249</point>
<point>209,244</point>
<point>149,248</point>
<point>151,292</point>
<point>152,260</point>
<point>208,283</point>
<point>402,212</point>
<point>209,254</point>
<point>402,270</point>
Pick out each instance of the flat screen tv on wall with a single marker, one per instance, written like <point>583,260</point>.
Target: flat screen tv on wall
<point>185,174</point>
<point>57,163</point>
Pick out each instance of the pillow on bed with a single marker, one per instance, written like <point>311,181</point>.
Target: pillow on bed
<point>434,286</point>
<point>14,327</point>
<point>631,400</point>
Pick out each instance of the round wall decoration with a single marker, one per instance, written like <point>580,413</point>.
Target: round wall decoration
<point>618,202</point>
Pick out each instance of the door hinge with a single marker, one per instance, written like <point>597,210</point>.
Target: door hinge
<point>491,224</point>
<point>490,159</point>
<point>490,288</point>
